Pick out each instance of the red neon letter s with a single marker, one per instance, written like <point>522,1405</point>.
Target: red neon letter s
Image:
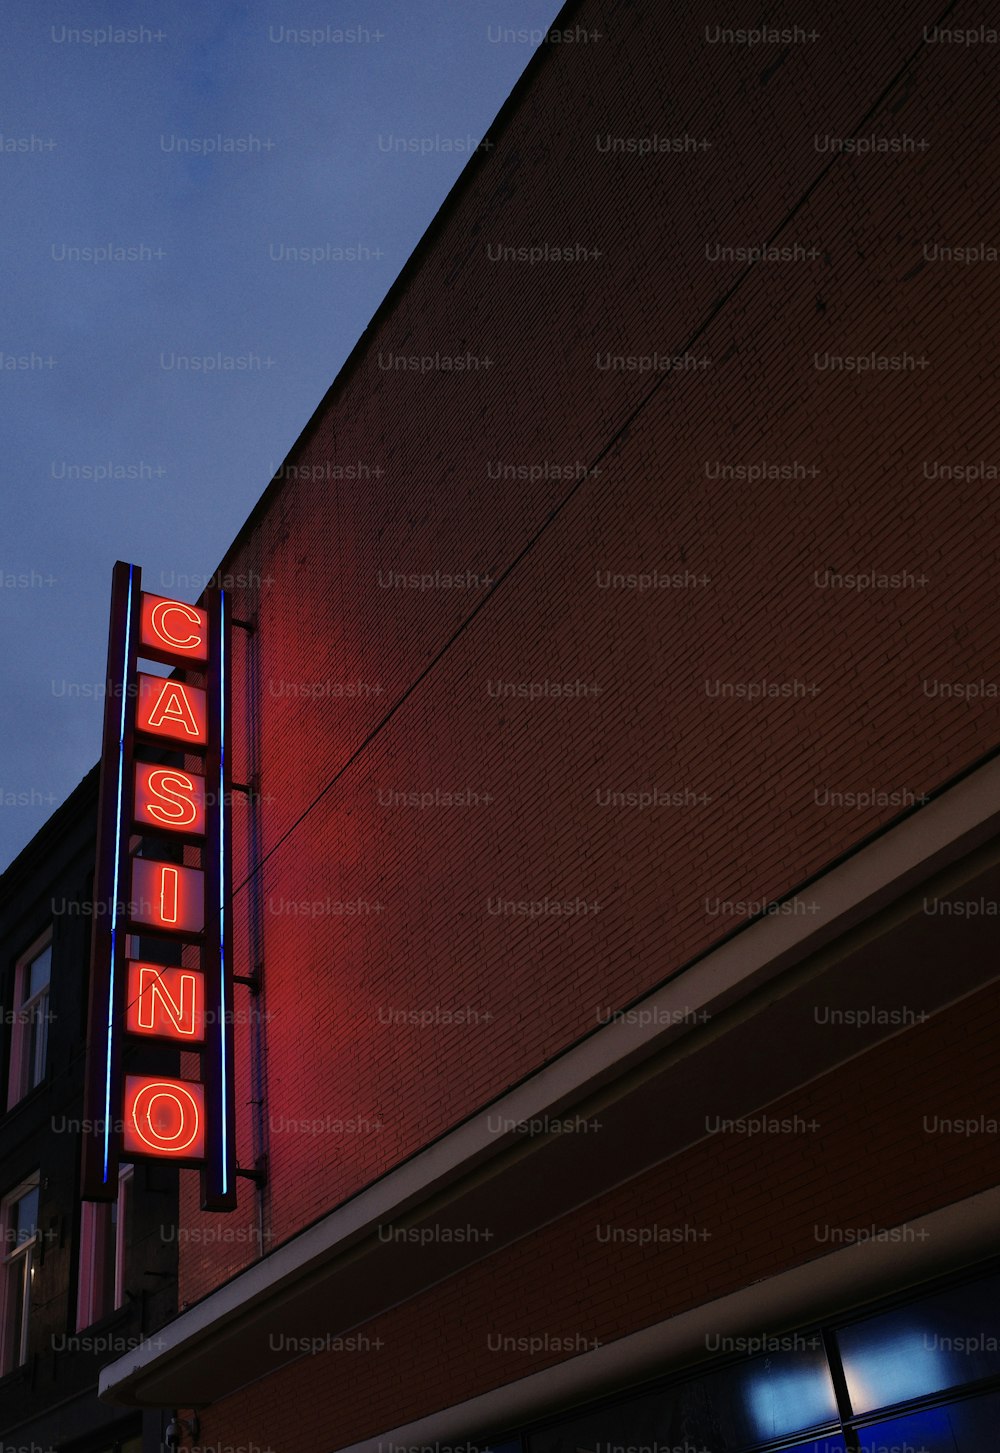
<point>173,803</point>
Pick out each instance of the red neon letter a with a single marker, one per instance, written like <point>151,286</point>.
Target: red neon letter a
<point>173,706</point>
<point>172,709</point>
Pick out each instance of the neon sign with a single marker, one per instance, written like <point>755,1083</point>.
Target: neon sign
<point>173,629</point>
<point>164,1119</point>
<point>163,866</point>
<point>169,800</point>
<point>168,896</point>
<point>165,1003</point>
<point>172,711</point>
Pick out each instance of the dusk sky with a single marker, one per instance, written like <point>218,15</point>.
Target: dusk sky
<point>158,187</point>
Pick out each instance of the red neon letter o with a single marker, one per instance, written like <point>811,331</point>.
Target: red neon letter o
<point>187,1116</point>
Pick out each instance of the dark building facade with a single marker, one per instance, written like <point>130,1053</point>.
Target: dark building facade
<point>80,1284</point>
<point>614,893</point>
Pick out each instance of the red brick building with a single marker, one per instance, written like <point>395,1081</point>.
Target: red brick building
<point>622,855</point>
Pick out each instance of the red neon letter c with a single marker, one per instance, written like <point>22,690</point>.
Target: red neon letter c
<point>161,610</point>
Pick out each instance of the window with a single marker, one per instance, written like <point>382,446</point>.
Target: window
<point>30,1027</point>
<point>103,1244</point>
<point>749,1404</point>
<point>19,1226</point>
<point>960,1427</point>
<point>939,1342</point>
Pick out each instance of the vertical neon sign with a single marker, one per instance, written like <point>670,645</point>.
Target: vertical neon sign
<point>157,813</point>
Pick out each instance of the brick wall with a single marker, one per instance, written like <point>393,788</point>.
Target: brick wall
<point>397,919</point>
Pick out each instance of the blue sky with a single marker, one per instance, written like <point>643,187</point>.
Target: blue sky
<point>111,450</point>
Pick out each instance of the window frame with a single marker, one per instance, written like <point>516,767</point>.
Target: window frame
<point>17,1071</point>
<point>91,1231</point>
<point>23,1252</point>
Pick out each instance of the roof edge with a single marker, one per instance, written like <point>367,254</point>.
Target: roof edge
<point>472,168</point>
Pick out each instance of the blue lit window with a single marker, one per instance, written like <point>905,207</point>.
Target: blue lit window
<point>964,1427</point>
<point>785,1395</point>
<point>941,1341</point>
<point>785,1392</point>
